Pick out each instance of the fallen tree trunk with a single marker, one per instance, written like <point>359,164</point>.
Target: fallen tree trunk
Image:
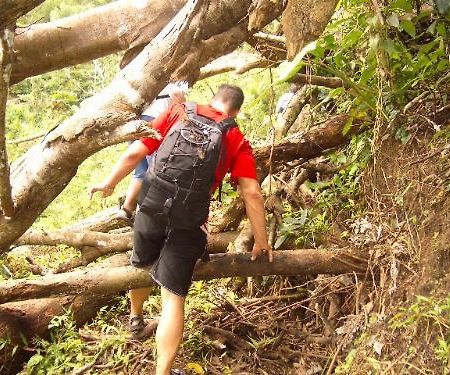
<point>116,279</point>
<point>89,35</point>
<point>108,243</point>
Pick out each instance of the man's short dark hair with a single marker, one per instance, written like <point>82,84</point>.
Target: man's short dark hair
<point>231,96</point>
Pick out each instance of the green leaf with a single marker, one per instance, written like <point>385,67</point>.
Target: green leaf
<point>280,241</point>
<point>290,69</point>
<point>35,360</point>
<point>442,65</point>
<point>441,30</point>
<point>351,39</point>
<point>409,27</point>
<point>405,5</point>
<point>347,126</point>
<point>392,20</point>
<point>303,218</point>
<point>389,46</point>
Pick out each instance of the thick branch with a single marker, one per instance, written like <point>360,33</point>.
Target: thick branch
<point>31,318</point>
<point>11,10</point>
<point>89,35</point>
<point>6,44</point>
<point>238,62</point>
<point>116,279</point>
<point>307,145</point>
<point>112,242</point>
<point>102,221</point>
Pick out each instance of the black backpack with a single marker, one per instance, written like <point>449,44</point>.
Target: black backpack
<point>182,172</point>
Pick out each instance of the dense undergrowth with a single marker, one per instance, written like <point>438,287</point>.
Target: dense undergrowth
<point>388,54</point>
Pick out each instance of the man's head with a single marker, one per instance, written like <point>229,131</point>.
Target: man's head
<point>228,99</point>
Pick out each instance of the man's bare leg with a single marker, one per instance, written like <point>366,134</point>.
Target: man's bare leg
<point>132,194</point>
<point>137,299</point>
<point>170,331</point>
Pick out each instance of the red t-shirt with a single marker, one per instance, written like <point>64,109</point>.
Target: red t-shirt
<point>238,158</point>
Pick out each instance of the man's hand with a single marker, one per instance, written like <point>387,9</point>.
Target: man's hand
<point>258,250</point>
<point>104,189</point>
<point>178,97</point>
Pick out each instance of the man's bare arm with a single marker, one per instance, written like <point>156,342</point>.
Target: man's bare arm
<point>254,205</point>
<point>127,162</point>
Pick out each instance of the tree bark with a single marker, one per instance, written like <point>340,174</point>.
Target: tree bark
<point>99,281</point>
<point>42,173</point>
<point>303,121</point>
<point>314,16</point>
<point>6,45</point>
<point>89,35</point>
<point>11,10</point>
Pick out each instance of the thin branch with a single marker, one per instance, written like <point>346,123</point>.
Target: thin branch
<point>6,202</point>
<point>270,37</point>
<point>26,139</point>
<point>331,82</point>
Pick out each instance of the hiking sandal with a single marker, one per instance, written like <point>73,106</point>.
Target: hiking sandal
<point>136,326</point>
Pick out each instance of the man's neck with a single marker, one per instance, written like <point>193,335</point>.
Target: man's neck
<point>220,106</point>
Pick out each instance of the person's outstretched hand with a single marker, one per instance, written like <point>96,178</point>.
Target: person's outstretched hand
<point>258,250</point>
<point>178,97</point>
<point>105,190</point>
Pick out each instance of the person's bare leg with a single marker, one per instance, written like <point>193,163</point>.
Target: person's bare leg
<point>132,194</point>
<point>170,331</point>
<point>137,299</point>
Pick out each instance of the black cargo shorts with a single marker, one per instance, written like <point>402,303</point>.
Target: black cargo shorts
<point>173,251</point>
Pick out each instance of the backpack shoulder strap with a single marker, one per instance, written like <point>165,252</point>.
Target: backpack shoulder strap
<point>227,124</point>
<point>191,109</point>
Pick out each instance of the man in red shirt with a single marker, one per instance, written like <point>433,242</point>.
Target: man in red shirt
<point>175,251</point>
